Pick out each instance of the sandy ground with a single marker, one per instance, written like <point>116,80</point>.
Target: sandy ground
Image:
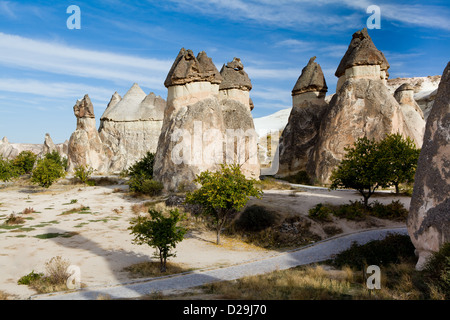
<point>98,242</point>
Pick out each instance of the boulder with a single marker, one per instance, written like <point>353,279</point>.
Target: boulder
<point>130,127</point>
<point>299,137</point>
<point>429,215</point>
<point>85,147</point>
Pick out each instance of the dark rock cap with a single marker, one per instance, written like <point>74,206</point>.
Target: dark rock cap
<point>404,87</point>
<point>84,108</point>
<point>188,68</point>
<point>360,52</point>
<point>234,76</point>
<point>311,79</point>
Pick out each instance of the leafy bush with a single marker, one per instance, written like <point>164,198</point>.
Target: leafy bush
<point>355,210</point>
<point>437,270</point>
<point>300,177</point>
<point>56,157</point>
<point>394,211</point>
<point>255,218</point>
<point>143,167</point>
<point>83,173</point>
<point>47,171</point>
<point>392,249</point>
<point>145,186</point>
<point>320,212</point>
<point>7,170</point>
<point>30,278</point>
<point>24,162</point>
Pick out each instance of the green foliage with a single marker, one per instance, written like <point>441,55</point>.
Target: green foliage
<point>83,173</point>
<point>437,270</point>
<point>56,157</point>
<point>355,210</point>
<point>255,218</point>
<point>394,210</point>
<point>360,169</point>
<point>399,157</point>
<point>145,186</point>
<point>392,249</point>
<point>143,167</point>
<point>24,162</point>
<point>300,177</point>
<point>369,165</point>
<point>30,278</point>
<point>47,171</point>
<point>7,170</point>
<point>320,212</point>
<point>222,194</point>
<point>160,232</point>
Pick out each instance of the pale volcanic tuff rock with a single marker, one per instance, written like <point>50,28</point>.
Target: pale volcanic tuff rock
<point>412,112</point>
<point>361,107</point>
<point>299,137</point>
<point>11,150</point>
<point>429,215</point>
<point>193,135</point>
<point>130,127</point>
<point>49,146</point>
<point>85,146</point>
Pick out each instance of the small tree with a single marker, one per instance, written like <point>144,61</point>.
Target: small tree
<point>222,194</point>
<point>399,157</point>
<point>7,170</point>
<point>160,232</point>
<point>360,169</point>
<point>24,162</point>
<point>46,172</point>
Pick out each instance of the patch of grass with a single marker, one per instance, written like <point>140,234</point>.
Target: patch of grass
<point>300,177</point>
<point>79,210</point>
<point>153,269</point>
<point>28,211</point>
<point>268,183</point>
<point>51,235</point>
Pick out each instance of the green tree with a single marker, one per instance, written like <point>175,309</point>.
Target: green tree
<point>24,162</point>
<point>56,157</point>
<point>222,194</point>
<point>46,172</point>
<point>360,169</point>
<point>399,156</point>
<point>143,167</point>
<point>83,173</point>
<point>7,170</point>
<point>141,176</point>
<point>162,233</point>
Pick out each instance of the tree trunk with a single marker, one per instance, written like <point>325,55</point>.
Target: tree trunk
<point>397,191</point>
<point>218,235</point>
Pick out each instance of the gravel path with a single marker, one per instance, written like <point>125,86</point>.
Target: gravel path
<point>317,252</point>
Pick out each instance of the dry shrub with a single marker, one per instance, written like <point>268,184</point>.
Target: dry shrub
<point>153,269</point>
<point>14,219</point>
<point>28,210</point>
<point>56,269</point>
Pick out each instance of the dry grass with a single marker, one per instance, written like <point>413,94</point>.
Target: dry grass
<point>14,219</point>
<point>5,296</point>
<point>75,210</point>
<point>271,183</point>
<point>28,211</point>
<point>152,269</point>
<point>316,282</point>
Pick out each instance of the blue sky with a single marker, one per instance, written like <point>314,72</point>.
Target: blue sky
<point>46,67</point>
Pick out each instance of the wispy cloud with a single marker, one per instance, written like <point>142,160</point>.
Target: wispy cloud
<point>61,59</point>
<point>299,14</point>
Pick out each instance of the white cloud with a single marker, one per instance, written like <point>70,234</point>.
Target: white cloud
<point>60,59</point>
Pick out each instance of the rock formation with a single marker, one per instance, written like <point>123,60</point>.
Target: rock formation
<point>49,146</point>
<point>362,61</point>
<point>361,107</point>
<point>11,150</point>
<point>411,111</point>
<point>236,84</point>
<point>429,216</point>
<point>300,134</point>
<point>193,136</point>
<point>85,146</point>
<point>130,127</point>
